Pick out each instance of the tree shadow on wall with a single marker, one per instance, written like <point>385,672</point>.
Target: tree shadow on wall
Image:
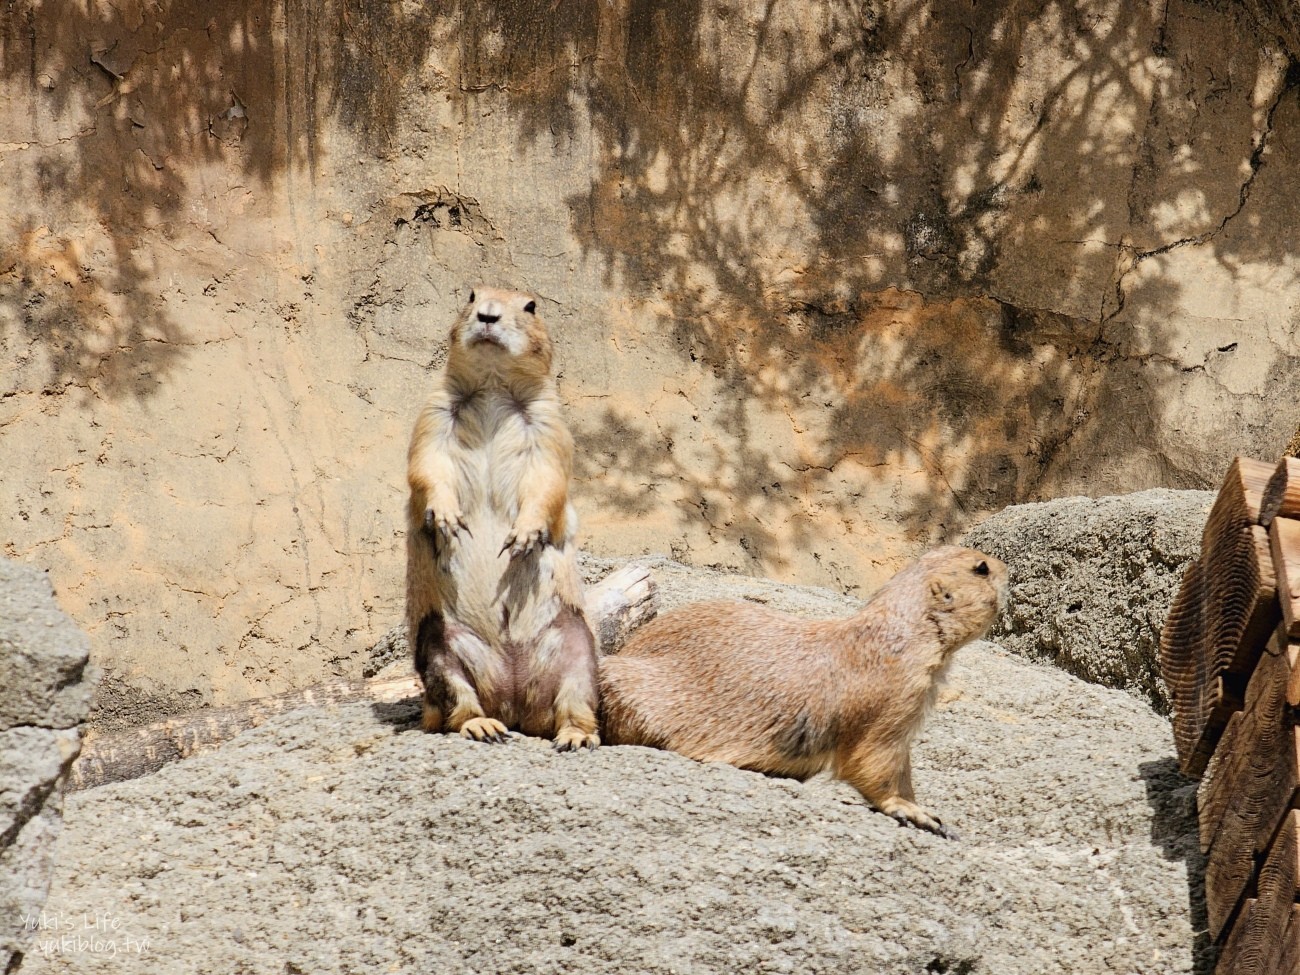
<point>919,226</point>
<point>150,121</point>
<point>930,220</point>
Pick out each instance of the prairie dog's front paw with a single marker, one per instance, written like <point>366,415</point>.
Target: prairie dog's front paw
<point>526,538</point>
<point>446,521</point>
<point>910,814</point>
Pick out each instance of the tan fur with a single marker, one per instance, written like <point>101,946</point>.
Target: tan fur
<point>740,683</point>
<point>493,594</point>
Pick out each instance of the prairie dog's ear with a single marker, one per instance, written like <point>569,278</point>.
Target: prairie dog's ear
<point>531,307</point>
<point>472,296</point>
<point>981,568</point>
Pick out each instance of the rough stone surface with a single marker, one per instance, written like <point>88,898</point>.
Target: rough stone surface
<point>345,840</point>
<point>44,694</point>
<point>827,281</point>
<point>1092,581</point>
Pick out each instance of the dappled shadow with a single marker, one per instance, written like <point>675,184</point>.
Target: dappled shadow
<point>919,231</point>
<point>945,266</point>
<point>150,123</point>
<point>126,104</point>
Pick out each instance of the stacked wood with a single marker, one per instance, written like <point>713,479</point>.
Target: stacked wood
<point>1251,788</point>
<point>1220,618</point>
<point>615,606</point>
<point>1230,652</point>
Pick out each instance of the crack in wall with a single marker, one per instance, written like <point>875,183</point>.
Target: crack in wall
<point>1255,162</point>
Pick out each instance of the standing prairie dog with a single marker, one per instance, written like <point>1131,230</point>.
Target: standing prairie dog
<point>740,683</point>
<point>493,594</point>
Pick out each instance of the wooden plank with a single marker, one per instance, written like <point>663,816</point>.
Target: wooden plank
<point>1223,779</point>
<point>1255,788</point>
<point>1183,665</point>
<point>1240,498</point>
<point>1281,496</point>
<point>1263,614</point>
<point>1288,962</point>
<point>1211,636</point>
<point>1284,538</point>
<point>1219,622</point>
<point>1230,955</point>
<point>1211,794</point>
<point>1256,943</point>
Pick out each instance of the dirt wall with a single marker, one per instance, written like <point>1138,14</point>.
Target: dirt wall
<point>828,282</point>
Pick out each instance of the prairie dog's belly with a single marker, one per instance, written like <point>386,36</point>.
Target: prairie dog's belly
<point>503,600</point>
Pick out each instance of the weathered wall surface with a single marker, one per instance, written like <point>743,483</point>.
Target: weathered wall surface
<point>828,282</point>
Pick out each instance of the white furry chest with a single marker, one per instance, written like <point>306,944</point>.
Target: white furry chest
<point>495,439</point>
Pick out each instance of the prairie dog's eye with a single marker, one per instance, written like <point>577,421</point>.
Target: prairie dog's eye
<point>981,568</point>
<point>471,297</point>
<point>531,308</point>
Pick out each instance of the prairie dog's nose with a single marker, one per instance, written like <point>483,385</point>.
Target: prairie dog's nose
<point>489,312</point>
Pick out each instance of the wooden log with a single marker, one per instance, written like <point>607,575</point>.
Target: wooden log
<point>130,754</point>
<point>1229,961</point>
<point>1288,962</point>
<point>622,601</point>
<point>1257,942</point>
<point>1240,498</point>
<point>1212,794</point>
<point>1184,667</point>
<point>1262,614</point>
<point>1284,537</point>
<point>1254,786</point>
<point>1222,616</point>
<point>1282,492</point>
<point>616,605</point>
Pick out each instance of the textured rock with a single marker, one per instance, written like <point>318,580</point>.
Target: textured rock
<point>344,840</point>
<point>44,694</point>
<point>1092,581</point>
<point>827,281</point>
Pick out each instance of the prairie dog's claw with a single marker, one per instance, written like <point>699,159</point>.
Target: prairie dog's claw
<point>522,543</point>
<point>573,739</point>
<point>485,729</point>
<point>910,814</point>
<point>447,525</point>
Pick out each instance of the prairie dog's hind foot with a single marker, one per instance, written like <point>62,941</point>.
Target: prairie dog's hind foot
<point>485,729</point>
<point>910,814</point>
<point>571,738</point>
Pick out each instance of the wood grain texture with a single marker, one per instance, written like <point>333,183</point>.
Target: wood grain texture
<point>1220,619</point>
<point>1284,539</point>
<point>1257,943</point>
<point>1212,793</point>
<point>1281,496</point>
<point>1241,497</point>
<point>1288,962</point>
<point>1230,955</point>
<point>1254,786</point>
